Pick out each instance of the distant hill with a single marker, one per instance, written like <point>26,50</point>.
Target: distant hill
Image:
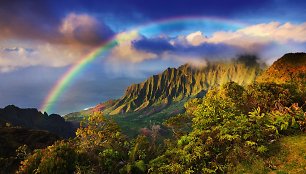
<point>289,68</point>
<point>78,116</point>
<point>33,119</point>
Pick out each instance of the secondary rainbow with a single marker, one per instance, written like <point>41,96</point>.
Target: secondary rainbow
<point>63,83</point>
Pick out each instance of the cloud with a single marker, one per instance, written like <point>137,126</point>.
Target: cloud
<point>19,50</point>
<point>36,53</point>
<point>183,59</point>
<point>156,45</point>
<point>66,43</point>
<point>268,40</point>
<point>85,29</point>
<point>195,38</point>
<point>50,21</point>
<point>125,52</point>
<point>180,46</point>
<point>28,19</point>
<point>255,35</point>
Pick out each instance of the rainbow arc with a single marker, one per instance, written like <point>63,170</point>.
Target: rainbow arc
<point>63,83</point>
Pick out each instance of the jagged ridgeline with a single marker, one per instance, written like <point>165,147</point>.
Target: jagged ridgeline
<point>31,118</point>
<point>175,84</point>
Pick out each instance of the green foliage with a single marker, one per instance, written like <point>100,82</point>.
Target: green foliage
<point>270,96</point>
<point>58,158</point>
<point>99,147</point>
<point>287,156</point>
<point>179,124</point>
<point>102,143</point>
<point>223,135</point>
<point>30,164</point>
<point>231,124</point>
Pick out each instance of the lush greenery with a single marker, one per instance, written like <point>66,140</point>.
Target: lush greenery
<point>287,156</point>
<point>216,134</point>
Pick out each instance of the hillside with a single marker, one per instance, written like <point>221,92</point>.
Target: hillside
<point>78,116</point>
<point>33,119</point>
<point>162,96</point>
<point>175,84</point>
<point>289,68</point>
<point>288,156</point>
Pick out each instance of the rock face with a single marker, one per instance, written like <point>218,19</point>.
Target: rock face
<point>33,119</point>
<point>289,68</point>
<point>175,84</point>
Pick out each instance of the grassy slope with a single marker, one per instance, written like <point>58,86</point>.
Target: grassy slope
<point>288,156</point>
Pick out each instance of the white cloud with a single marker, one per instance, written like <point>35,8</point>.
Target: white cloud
<point>24,54</point>
<point>73,21</point>
<point>196,61</point>
<point>195,38</point>
<point>255,35</point>
<point>267,40</point>
<point>125,52</point>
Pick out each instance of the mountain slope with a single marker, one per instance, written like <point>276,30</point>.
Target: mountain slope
<point>33,119</point>
<point>289,68</point>
<point>175,84</point>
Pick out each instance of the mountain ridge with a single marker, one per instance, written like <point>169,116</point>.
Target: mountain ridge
<point>291,67</point>
<point>175,84</point>
<point>33,119</point>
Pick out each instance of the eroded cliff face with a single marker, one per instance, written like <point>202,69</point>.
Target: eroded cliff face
<point>174,84</point>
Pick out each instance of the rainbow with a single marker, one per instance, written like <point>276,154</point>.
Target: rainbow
<point>63,83</point>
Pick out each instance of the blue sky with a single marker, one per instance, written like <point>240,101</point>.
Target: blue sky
<point>41,40</point>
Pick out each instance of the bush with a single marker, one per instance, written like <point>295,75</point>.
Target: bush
<point>58,158</point>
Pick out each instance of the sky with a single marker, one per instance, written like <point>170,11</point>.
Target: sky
<point>41,40</point>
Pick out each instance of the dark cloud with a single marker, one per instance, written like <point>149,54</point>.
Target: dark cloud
<point>41,20</point>
<point>248,60</point>
<point>155,45</point>
<point>17,49</point>
<point>28,19</point>
<point>206,50</point>
<point>93,35</point>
